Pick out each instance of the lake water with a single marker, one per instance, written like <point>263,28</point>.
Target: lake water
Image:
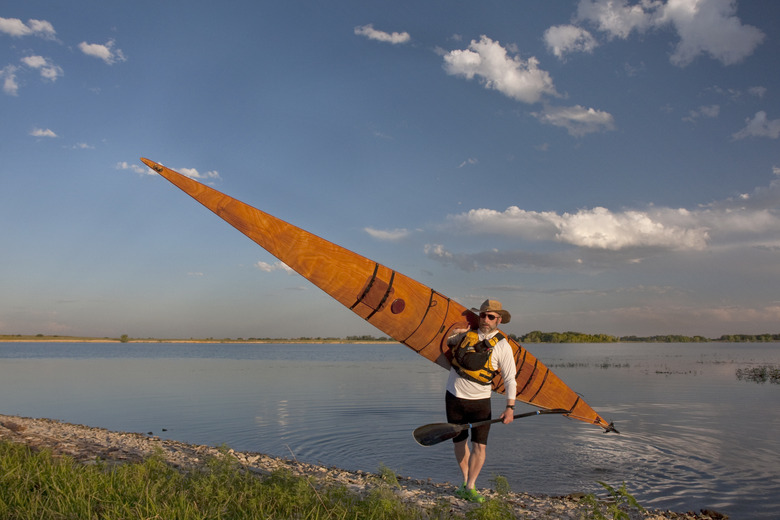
<point>693,435</point>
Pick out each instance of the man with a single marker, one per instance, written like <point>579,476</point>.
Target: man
<point>478,356</point>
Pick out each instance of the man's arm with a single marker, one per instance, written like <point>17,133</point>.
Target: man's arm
<point>508,371</point>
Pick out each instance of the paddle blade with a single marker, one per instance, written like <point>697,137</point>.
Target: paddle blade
<point>430,434</point>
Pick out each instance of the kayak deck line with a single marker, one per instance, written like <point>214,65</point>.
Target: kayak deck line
<point>411,313</point>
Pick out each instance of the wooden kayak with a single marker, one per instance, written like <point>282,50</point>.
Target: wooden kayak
<point>404,309</point>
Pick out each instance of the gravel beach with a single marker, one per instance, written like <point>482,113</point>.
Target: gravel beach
<point>87,444</point>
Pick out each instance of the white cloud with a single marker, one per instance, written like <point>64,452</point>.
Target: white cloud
<point>710,111</point>
<point>597,228</point>
<point>523,81</point>
<point>105,52</point>
<point>468,162</point>
<point>47,69</point>
<point>40,132</point>
<point>192,173</point>
<point>42,28</point>
<point>373,34</point>
<point>388,235</point>
<point>15,27</point>
<point>702,26</point>
<point>565,39</point>
<point>757,91</point>
<point>514,77</point>
<point>616,17</point>
<point>137,168</point>
<point>751,218</point>
<point>709,27</point>
<point>276,266</point>
<point>34,62</point>
<point>8,77</point>
<point>600,228</point>
<point>577,120</point>
<point>763,201</point>
<point>759,126</point>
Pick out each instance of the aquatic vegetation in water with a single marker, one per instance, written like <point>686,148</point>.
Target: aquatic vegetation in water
<point>760,374</point>
<point>606,363</point>
<point>568,364</point>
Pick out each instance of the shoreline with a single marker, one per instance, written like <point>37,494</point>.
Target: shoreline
<point>87,444</point>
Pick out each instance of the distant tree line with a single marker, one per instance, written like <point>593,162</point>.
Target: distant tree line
<point>667,338</point>
<point>749,337</point>
<point>538,336</point>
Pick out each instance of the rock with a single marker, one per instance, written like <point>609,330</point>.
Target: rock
<point>14,427</point>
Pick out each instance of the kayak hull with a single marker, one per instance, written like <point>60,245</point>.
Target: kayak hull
<point>401,307</point>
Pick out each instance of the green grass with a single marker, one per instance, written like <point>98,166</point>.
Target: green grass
<point>34,484</point>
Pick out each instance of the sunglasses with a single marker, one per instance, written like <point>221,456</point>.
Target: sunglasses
<point>491,317</point>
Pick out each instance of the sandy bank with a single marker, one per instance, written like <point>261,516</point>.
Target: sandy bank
<point>86,444</point>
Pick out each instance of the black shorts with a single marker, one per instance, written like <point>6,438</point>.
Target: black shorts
<point>467,411</point>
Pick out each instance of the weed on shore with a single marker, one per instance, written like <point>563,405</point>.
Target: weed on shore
<point>35,484</point>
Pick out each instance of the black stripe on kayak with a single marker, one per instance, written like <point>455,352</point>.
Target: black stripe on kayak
<point>368,287</point>
<point>528,381</point>
<point>385,297</point>
<point>540,386</point>
<point>431,305</point>
<point>574,405</point>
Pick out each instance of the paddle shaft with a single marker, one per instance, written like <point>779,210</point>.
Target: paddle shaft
<point>518,416</point>
<point>431,434</point>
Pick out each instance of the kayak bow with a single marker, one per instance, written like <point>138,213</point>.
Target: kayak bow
<point>404,309</point>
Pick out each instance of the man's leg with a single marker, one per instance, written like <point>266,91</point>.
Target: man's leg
<point>475,462</point>
<point>462,456</point>
<point>470,462</point>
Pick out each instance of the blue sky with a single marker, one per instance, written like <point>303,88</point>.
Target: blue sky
<point>598,166</point>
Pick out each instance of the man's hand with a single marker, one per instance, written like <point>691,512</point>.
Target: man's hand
<point>454,333</point>
<point>508,416</point>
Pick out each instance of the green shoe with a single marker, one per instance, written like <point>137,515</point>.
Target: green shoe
<point>462,492</point>
<point>473,496</point>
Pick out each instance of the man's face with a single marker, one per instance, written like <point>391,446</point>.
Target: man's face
<point>488,322</point>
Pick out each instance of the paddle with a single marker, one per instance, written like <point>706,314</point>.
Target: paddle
<point>431,434</point>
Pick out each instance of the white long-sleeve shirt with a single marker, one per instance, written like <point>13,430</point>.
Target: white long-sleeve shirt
<point>501,360</point>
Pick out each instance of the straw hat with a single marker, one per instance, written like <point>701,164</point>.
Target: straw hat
<point>494,306</point>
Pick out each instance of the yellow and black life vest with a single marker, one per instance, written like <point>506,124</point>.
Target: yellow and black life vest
<point>472,357</point>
